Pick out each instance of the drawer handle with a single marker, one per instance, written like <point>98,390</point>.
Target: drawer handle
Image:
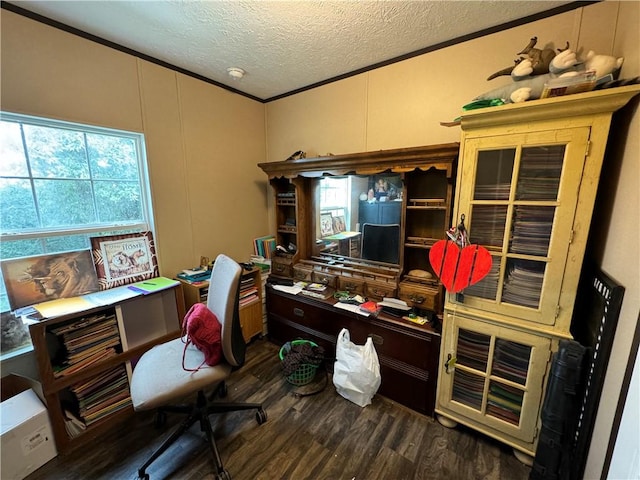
<point>377,339</point>
<point>298,312</point>
<point>379,293</point>
<point>417,298</point>
<point>278,267</point>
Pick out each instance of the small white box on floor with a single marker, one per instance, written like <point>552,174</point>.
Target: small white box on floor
<point>26,438</point>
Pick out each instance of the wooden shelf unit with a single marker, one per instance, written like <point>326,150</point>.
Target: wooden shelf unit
<point>251,314</point>
<point>142,322</point>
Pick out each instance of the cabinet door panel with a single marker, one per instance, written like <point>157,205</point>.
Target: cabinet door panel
<point>520,205</point>
<point>495,376</point>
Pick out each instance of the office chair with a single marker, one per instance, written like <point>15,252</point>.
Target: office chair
<point>159,379</point>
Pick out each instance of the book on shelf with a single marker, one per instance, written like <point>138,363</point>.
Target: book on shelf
<point>84,342</point>
<point>73,424</point>
<point>264,246</point>
<point>194,279</point>
<point>100,396</point>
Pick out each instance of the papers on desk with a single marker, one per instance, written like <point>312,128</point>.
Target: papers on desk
<point>294,289</point>
<point>111,296</point>
<point>65,306</point>
<point>351,307</point>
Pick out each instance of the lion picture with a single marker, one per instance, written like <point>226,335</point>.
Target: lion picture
<point>33,280</point>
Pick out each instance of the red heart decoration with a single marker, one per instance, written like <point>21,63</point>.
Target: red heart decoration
<point>458,269</point>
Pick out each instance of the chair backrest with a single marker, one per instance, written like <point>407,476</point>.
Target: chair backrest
<point>381,242</point>
<point>222,300</point>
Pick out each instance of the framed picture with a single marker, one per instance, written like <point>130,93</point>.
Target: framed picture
<point>338,224</point>
<point>326,224</point>
<point>123,259</point>
<point>34,280</point>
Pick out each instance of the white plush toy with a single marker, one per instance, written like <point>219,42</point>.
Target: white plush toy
<point>526,86</point>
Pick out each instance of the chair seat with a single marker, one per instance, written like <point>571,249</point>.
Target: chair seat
<point>159,379</point>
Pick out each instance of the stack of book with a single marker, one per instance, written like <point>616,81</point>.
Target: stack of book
<point>195,275</point>
<point>97,398</point>
<point>248,291</point>
<point>86,341</point>
<point>317,290</point>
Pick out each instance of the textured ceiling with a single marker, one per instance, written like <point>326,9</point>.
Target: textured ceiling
<point>283,46</point>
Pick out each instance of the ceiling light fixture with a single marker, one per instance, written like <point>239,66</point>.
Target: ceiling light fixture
<point>235,73</point>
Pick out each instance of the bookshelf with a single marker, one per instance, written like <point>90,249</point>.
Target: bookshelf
<point>85,360</point>
<point>251,300</point>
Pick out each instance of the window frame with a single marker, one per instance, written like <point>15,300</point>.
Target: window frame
<point>146,223</point>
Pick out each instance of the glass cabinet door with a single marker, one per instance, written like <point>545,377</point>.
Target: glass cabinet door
<point>494,375</point>
<point>519,199</point>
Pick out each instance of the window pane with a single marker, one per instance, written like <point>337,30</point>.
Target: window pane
<point>67,243</point>
<point>17,208</point>
<point>20,248</point>
<point>118,201</point>
<point>65,202</point>
<point>14,163</point>
<point>540,170</point>
<point>113,158</point>
<point>493,174</point>
<point>56,153</point>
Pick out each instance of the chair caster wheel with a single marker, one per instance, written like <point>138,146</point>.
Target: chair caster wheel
<point>160,420</point>
<point>223,475</point>
<point>261,416</point>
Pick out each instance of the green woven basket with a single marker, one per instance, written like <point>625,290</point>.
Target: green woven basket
<point>304,373</point>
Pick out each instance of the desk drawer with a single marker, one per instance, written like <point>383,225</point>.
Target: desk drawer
<point>327,279</point>
<point>419,296</point>
<point>378,290</point>
<point>351,285</point>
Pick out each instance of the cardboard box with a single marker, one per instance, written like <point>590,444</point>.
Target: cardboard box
<point>26,437</point>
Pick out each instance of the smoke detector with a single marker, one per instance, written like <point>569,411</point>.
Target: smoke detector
<point>235,73</point>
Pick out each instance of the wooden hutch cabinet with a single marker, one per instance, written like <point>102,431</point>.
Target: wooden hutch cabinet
<point>408,352</point>
<point>527,183</point>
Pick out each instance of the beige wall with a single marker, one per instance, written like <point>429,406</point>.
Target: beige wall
<point>401,105</point>
<point>203,143</point>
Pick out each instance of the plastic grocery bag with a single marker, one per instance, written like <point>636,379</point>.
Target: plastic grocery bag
<point>356,373</point>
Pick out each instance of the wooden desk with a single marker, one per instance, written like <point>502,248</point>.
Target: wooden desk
<point>408,353</point>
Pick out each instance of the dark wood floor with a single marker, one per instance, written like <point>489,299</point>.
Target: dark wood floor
<point>315,437</point>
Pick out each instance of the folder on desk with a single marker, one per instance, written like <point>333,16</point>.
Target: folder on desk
<point>153,285</point>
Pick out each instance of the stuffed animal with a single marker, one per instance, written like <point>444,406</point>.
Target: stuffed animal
<point>531,73</point>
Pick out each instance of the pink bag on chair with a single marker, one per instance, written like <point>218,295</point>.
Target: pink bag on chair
<point>202,328</point>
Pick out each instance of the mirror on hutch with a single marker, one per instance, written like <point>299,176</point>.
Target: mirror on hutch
<point>364,222</point>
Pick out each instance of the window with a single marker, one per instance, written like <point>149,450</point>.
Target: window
<point>62,183</point>
<point>335,195</point>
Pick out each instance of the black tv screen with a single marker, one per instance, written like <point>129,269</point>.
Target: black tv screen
<point>380,242</point>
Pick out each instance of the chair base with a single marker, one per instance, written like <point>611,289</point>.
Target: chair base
<point>199,412</point>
